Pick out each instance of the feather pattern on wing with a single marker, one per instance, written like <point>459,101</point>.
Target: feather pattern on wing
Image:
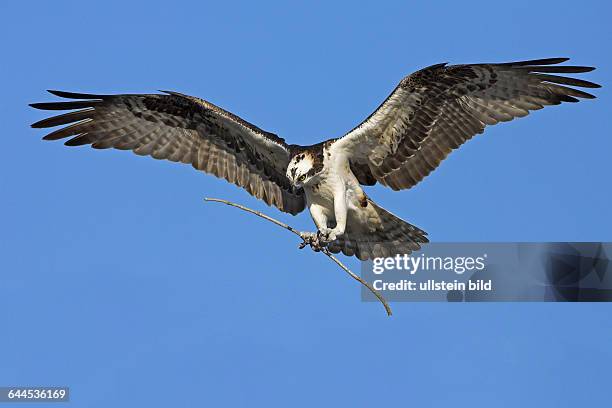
<point>180,128</point>
<point>377,233</point>
<point>435,110</point>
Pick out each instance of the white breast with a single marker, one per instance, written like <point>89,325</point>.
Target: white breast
<point>336,177</point>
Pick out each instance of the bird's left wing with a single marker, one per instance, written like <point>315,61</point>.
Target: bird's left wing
<point>437,109</point>
<point>180,128</point>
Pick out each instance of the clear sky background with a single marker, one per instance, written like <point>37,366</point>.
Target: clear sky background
<point>118,281</point>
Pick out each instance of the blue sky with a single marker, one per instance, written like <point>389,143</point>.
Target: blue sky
<point>118,281</point>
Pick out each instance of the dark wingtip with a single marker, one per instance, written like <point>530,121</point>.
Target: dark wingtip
<point>55,92</point>
<point>74,95</point>
<point>550,61</point>
<point>543,61</point>
<point>440,65</point>
<point>174,93</point>
<point>567,98</point>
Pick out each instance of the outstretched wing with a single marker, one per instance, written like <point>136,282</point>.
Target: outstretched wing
<point>183,129</point>
<point>435,110</point>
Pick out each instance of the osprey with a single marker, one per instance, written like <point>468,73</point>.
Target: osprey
<point>430,113</point>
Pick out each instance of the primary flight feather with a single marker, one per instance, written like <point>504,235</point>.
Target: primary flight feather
<point>429,114</point>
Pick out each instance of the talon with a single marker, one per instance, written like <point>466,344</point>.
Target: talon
<point>316,241</point>
<point>326,235</point>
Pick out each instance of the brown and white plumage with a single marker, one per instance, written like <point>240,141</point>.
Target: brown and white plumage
<point>435,110</point>
<point>382,234</point>
<point>430,113</point>
<point>183,129</point>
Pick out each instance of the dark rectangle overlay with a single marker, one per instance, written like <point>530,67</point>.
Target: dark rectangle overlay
<point>495,272</point>
<point>34,394</point>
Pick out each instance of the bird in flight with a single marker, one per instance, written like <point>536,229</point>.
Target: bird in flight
<point>429,114</point>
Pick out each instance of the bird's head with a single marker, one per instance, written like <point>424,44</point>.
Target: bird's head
<point>302,168</point>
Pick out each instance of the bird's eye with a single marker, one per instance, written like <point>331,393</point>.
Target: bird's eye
<point>302,177</point>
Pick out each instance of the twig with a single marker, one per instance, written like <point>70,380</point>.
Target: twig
<point>323,250</point>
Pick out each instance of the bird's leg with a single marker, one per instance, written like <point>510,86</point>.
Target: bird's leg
<point>340,213</point>
<point>315,239</point>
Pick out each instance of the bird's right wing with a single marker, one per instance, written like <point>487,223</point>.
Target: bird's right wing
<point>180,128</point>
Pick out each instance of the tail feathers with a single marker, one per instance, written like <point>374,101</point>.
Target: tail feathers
<point>382,235</point>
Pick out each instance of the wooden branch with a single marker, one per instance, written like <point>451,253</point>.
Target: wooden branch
<point>302,235</point>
